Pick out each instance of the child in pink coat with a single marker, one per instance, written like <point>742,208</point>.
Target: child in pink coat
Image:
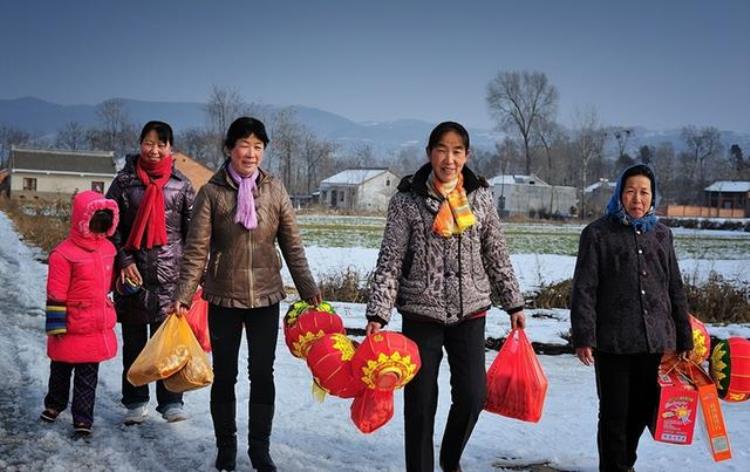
<point>80,316</point>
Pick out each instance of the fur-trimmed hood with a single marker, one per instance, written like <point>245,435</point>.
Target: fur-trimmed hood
<point>85,204</point>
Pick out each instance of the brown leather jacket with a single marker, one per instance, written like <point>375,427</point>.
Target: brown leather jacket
<point>244,266</point>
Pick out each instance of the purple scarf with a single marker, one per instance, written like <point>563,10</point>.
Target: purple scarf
<point>245,200</point>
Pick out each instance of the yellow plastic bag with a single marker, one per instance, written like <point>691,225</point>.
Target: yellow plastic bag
<point>165,353</point>
<point>195,374</point>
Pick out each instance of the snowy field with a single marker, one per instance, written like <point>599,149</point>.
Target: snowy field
<point>309,436</point>
<point>532,270</point>
<point>523,238</point>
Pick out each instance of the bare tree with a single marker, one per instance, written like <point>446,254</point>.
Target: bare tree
<point>223,107</point>
<point>410,158</point>
<point>11,136</point>
<point>646,154</point>
<point>317,155</point>
<point>589,145</point>
<point>663,162</point>
<point>520,101</point>
<point>703,144</point>
<point>115,131</point>
<point>737,159</point>
<point>71,136</point>
<point>622,136</point>
<point>547,133</point>
<point>286,142</point>
<point>199,144</point>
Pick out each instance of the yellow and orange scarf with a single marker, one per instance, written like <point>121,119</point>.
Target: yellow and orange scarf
<point>454,216</point>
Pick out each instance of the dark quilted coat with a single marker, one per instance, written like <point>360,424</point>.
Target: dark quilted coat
<point>628,295</point>
<point>159,266</point>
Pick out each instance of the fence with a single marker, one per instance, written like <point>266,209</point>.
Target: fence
<point>704,212</point>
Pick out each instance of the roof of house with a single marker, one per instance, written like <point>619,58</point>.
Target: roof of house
<point>512,179</point>
<point>729,186</point>
<point>602,183</point>
<point>54,160</point>
<point>353,176</point>
<point>194,170</point>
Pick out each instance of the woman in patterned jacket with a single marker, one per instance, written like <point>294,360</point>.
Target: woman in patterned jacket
<point>443,262</point>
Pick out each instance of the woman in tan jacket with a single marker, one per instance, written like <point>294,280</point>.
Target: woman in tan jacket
<point>238,216</point>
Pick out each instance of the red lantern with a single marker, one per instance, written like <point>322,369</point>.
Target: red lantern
<point>730,369</point>
<point>386,360</point>
<point>701,341</point>
<point>307,328</point>
<point>329,359</point>
<point>372,409</point>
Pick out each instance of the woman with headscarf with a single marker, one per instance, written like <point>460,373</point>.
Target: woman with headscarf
<point>628,307</point>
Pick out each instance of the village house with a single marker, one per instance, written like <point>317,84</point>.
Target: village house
<point>597,196</point>
<point>733,195</point>
<point>49,173</point>
<point>193,170</point>
<point>359,189</point>
<point>531,196</point>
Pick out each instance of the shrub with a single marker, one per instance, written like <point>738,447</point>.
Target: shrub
<point>42,223</point>
<point>556,295</point>
<point>719,300</point>
<point>347,285</point>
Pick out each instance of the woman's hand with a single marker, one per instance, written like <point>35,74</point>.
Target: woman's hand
<point>178,308</point>
<point>518,320</point>
<point>585,355</point>
<point>315,300</point>
<point>684,355</point>
<point>131,272</point>
<point>373,327</point>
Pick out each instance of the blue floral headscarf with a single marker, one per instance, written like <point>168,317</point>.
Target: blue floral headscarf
<point>617,212</point>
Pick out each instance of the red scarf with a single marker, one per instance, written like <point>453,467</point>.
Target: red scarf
<point>150,219</point>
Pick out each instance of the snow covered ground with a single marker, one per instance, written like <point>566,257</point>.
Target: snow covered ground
<point>532,270</point>
<point>307,436</point>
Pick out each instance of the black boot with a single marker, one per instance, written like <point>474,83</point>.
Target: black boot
<point>261,418</point>
<point>225,429</point>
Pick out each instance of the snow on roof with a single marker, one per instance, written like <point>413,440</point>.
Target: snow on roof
<point>729,186</point>
<point>600,184</point>
<point>508,179</point>
<point>353,176</point>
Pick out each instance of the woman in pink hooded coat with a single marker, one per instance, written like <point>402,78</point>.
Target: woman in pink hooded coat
<point>80,316</point>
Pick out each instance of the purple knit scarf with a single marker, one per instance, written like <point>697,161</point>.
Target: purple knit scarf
<point>245,200</point>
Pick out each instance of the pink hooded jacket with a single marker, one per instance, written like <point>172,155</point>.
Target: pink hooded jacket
<point>80,316</point>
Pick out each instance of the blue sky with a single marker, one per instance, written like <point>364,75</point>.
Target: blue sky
<point>660,64</point>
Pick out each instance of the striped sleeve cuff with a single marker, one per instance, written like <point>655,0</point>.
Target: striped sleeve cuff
<point>56,315</point>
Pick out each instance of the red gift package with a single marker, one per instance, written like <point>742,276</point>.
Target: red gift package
<point>674,421</point>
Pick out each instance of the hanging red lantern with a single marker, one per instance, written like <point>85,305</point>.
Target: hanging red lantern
<point>701,341</point>
<point>329,359</point>
<point>386,360</point>
<point>308,327</point>
<point>371,409</point>
<point>730,369</point>
<point>300,306</point>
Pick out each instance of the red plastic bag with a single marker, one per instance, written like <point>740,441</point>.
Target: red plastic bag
<point>197,318</point>
<point>516,384</point>
<point>371,409</point>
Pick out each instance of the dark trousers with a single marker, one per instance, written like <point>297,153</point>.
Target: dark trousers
<point>84,389</point>
<point>464,344</point>
<point>262,330</point>
<point>627,389</point>
<point>134,338</point>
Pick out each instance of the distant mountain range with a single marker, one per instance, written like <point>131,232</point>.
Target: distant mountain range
<point>43,118</point>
